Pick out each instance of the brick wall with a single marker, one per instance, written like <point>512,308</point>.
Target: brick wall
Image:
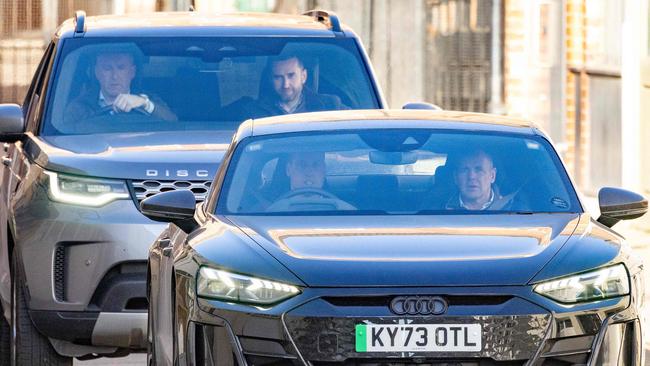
<point>524,92</point>
<point>514,53</point>
<point>576,101</point>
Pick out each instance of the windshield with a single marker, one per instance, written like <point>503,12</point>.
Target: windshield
<point>387,171</point>
<point>200,83</point>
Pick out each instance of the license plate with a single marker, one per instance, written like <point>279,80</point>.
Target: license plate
<point>418,337</point>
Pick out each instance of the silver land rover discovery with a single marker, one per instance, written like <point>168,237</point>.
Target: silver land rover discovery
<point>122,108</point>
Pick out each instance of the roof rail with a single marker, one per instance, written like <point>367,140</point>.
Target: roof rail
<point>79,23</point>
<point>324,16</point>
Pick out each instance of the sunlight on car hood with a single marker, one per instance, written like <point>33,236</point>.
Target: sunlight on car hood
<point>414,244</point>
<point>426,250</point>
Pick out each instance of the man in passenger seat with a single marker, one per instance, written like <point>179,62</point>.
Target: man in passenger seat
<point>115,71</point>
<point>290,93</point>
<point>474,176</point>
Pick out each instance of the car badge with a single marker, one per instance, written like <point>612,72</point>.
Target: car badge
<point>418,305</point>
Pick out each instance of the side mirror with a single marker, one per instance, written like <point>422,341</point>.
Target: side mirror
<point>12,125</point>
<point>618,204</point>
<point>177,207</point>
<point>421,105</point>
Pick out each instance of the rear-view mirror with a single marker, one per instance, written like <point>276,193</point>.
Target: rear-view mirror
<point>393,157</point>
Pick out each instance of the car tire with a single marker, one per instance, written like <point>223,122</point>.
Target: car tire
<point>27,345</point>
<point>5,340</point>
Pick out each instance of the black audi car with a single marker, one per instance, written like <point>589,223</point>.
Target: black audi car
<point>393,238</point>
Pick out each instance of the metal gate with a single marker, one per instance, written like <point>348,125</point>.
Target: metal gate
<point>25,29</point>
<point>21,47</point>
<point>459,41</point>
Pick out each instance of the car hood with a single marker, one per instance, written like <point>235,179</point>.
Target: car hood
<point>458,250</point>
<point>184,155</point>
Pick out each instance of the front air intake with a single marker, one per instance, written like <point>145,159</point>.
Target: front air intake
<point>59,273</point>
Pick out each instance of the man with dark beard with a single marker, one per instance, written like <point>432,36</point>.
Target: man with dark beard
<point>288,78</point>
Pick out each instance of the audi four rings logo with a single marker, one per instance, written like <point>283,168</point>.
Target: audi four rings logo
<point>418,305</point>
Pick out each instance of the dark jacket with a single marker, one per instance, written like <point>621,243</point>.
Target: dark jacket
<point>87,106</point>
<point>312,102</point>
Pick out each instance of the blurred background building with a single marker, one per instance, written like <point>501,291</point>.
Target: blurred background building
<point>579,68</point>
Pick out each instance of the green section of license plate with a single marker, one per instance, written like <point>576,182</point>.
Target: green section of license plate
<point>361,338</point>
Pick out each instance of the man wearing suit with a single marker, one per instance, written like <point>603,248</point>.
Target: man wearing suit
<point>115,71</point>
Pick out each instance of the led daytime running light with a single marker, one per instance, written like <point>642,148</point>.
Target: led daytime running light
<point>223,285</point>
<point>596,285</point>
<point>99,192</point>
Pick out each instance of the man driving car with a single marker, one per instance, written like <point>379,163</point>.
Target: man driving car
<point>306,173</point>
<point>306,170</point>
<point>115,72</point>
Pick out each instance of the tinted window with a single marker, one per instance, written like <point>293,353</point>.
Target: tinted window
<point>198,83</point>
<point>395,172</point>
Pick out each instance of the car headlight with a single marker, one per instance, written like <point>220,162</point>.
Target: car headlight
<point>85,191</point>
<point>600,284</point>
<point>222,285</point>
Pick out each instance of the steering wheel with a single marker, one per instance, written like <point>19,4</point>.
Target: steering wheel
<point>308,191</point>
<point>104,116</point>
<point>304,197</point>
<point>108,110</point>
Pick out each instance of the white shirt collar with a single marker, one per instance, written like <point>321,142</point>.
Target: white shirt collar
<point>485,205</point>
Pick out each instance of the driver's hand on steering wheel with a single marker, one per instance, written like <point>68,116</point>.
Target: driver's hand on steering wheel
<point>127,102</point>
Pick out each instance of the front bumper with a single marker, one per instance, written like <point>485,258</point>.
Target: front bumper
<point>518,328</point>
<point>102,329</point>
<point>85,269</point>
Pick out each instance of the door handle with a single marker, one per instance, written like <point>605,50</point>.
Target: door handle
<point>6,161</point>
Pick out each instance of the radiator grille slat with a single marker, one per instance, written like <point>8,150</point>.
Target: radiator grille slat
<point>149,187</point>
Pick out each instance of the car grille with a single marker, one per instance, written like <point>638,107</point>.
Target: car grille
<point>420,362</point>
<point>476,300</point>
<point>149,187</point>
<point>507,338</point>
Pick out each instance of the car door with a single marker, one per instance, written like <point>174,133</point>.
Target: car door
<point>15,166</point>
<point>161,260</point>
<point>158,287</point>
